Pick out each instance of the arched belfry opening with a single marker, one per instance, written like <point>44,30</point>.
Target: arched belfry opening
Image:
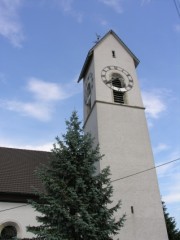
<point>117,81</point>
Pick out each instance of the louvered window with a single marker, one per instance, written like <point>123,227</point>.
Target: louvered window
<point>118,81</point>
<point>118,96</point>
<point>88,101</point>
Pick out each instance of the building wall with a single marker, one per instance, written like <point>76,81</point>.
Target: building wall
<point>122,133</point>
<point>124,140</point>
<point>20,217</point>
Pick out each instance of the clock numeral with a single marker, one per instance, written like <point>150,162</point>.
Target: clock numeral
<point>105,69</point>
<point>124,71</point>
<point>125,77</point>
<point>119,69</point>
<point>103,78</point>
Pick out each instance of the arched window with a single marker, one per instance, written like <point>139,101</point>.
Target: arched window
<point>8,232</point>
<point>117,81</point>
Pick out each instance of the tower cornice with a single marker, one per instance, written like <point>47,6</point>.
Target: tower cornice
<point>111,103</point>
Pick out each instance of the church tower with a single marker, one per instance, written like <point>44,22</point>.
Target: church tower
<point>114,115</point>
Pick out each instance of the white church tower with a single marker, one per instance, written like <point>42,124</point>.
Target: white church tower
<point>114,115</point>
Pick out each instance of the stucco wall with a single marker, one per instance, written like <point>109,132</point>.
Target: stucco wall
<point>19,216</point>
<point>124,139</point>
<point>121,130</point>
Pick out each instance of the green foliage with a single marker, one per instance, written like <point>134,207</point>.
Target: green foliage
<point>173,232</point>
<point>76,202</point>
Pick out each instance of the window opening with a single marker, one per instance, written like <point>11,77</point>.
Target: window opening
<point>118,81</point>
<point>113,54</point>
<point>88,98</point>
<point>88,89</point>
<point>88,94</point>
<point>8,232</point>
<point>132,209</point>
<point>118,97</point>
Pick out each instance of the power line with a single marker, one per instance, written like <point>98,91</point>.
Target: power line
<point>146,170</point>
<point>118,179</point>
<point>177,6</point>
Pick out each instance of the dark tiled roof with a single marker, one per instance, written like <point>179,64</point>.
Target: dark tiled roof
<point>17,170</point>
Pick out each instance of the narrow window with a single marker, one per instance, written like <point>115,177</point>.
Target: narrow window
<point>132,209</point>
<point>113,54</point>
<point>88,90</point>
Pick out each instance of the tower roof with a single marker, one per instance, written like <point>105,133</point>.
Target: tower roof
<point>91,51</point>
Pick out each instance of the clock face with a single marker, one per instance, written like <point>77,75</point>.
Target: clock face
<point>117,78</point>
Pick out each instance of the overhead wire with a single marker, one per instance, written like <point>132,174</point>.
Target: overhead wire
<point>146,170</point>
<point>118,179</point>
<point>177,6</point>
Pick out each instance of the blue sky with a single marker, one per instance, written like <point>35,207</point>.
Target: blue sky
<point>43,45</point>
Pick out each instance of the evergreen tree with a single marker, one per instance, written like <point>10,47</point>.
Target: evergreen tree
<point>173,232</point>
<point>77,201</point>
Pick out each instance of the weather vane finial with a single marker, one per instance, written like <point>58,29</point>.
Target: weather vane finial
<point>97,38</point>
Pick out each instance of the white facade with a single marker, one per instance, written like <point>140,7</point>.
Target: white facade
<point>121,130</point>
<point>19,215</point>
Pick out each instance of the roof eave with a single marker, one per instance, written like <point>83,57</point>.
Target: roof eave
<point>17,197</point>
<point>86,64</point>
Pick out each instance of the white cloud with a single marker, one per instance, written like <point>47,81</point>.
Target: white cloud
<point>169,178</point>
<point>173,194</point>
<point>2,78</point>
<point>42,147</point>
<point>45,95</point>
<point>10,26</point>
<point>163,170</point>
<point>65,4</point>
<point>104,22</point>
<point>174,155</point>
<point>172,198</point>
<point>66,7</point>
<point>177,28</point>
<point>38,110</point>
<point>46,91</point>
<point>145,2</point>
<point>160,147</point>
<point>153,103</point>
<point>115,4</point>
<point>171,169</point>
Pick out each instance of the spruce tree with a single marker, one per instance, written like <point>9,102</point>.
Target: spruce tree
<point>173,232</point>
<point>77,201</point>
